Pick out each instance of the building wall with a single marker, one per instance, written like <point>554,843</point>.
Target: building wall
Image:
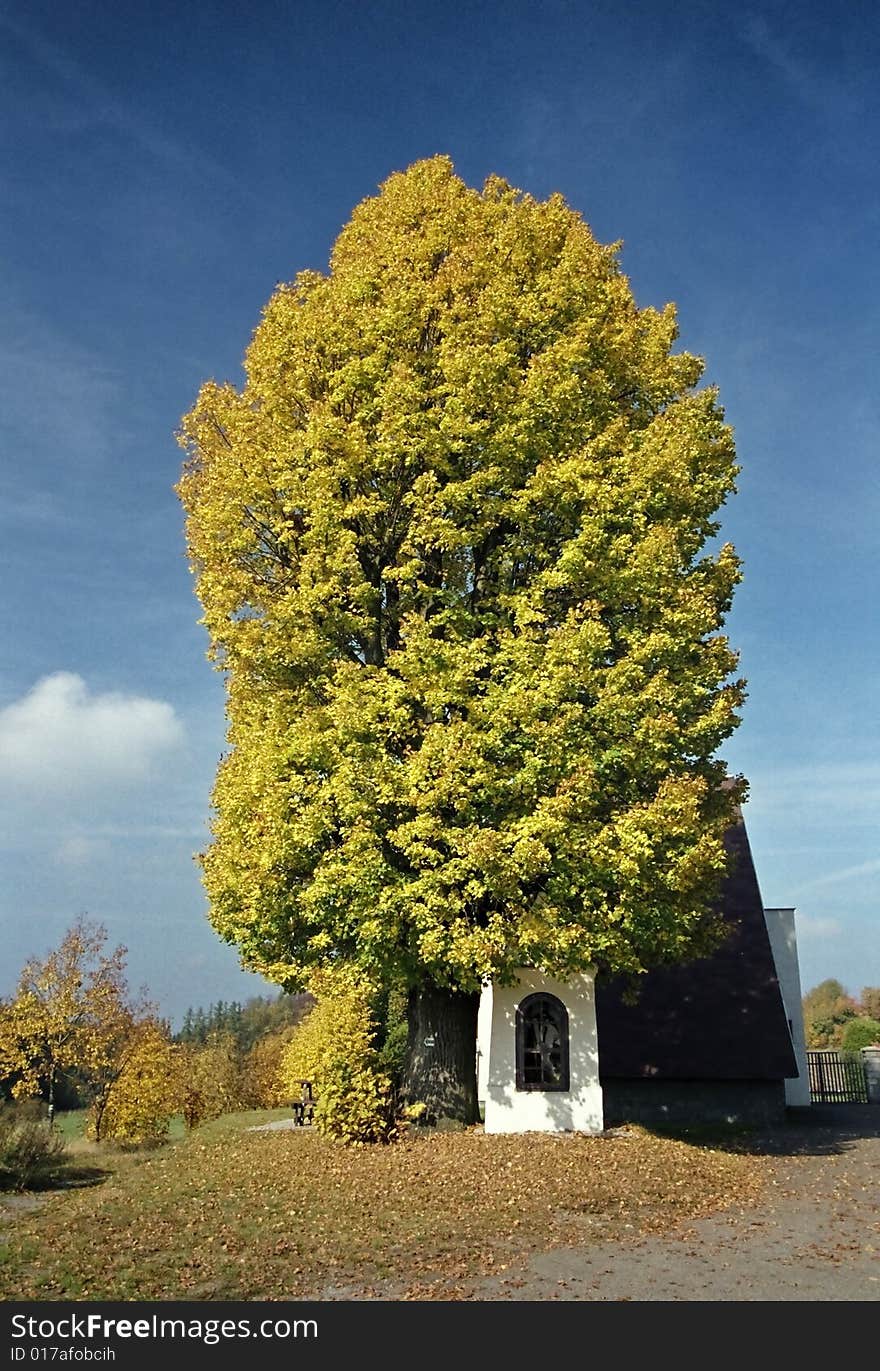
<point>783,942</point>
<point>484,1037</point>
<point>681,1104</point>
<point>508,1110</point>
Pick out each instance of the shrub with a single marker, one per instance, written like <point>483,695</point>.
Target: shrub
<point>334,1048</point>
<point>30,1150</point>
<point>142,1100</point>
<point>32,1111</point>
<point>860,1033</point>
<point>210,1079</point>
<point>263,1085</point>
<point>354,1103</point>
<point>394,1033</point>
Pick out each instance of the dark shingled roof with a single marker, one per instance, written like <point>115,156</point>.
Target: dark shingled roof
<point>719,1018</point>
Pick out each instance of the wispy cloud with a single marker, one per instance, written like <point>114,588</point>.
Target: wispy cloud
<point>826,789</point>
<point>817,927</point>
<point>32,508</point>
<point>846,873</point>
<point>60,740</point>
<point>56,396</point>
<point>768,46</point>
<point>98,105</point>
<point>81,850</point>
<point>815,85</point>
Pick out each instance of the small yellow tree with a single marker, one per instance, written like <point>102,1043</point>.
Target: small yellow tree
<point>139,1104</point>
<point>209,1078</point>
<point>263,1085</point>
<point>334,1049</point>
<point>70,1012</point>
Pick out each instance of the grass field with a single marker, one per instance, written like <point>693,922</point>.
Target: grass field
<point>224,1213</point>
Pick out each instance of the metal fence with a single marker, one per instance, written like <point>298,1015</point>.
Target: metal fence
<point>837,1078</point>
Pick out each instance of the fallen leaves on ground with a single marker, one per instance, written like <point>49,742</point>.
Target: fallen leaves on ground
<point>285,1215</point>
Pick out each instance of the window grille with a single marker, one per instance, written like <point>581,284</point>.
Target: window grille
<point>542,1044</point>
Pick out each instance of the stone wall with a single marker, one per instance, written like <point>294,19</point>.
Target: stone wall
<point>683,1103</point>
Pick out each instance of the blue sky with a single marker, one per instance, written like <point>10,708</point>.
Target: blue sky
<point>163,166</point>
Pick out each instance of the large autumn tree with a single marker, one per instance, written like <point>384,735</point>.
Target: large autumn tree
<point>451,544</point>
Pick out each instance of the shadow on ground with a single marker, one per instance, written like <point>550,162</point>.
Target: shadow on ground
<point>70,1178</point>
<point>823,1130</point>
<point>79,1177</point>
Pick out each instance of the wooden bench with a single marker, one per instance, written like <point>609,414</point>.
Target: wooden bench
<point>304,1107</point>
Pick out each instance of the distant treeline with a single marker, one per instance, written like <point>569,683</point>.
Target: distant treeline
<point>834,1018</point>
<point>245,1023</point>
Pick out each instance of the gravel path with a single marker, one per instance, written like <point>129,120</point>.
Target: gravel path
<point>279,1126</point>
<point>817,1237</point>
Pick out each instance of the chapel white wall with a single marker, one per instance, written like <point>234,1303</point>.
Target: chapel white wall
<point>783,944</point>
<point>508,1110</point>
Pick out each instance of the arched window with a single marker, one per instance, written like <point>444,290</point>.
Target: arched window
<point>541,1044</point>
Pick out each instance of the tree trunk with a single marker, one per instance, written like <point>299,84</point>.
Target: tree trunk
<point>51,1096</point>
<point>440,1069</point>
<point>98,1107</point>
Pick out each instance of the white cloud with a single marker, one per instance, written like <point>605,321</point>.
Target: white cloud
<point>61,740</point>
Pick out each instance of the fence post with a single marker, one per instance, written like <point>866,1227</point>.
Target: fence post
<point>871,1058</point>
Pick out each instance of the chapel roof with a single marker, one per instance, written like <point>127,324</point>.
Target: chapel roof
<point>718,1018</point>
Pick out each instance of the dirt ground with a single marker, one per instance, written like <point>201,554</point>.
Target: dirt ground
<point>817,1238</point>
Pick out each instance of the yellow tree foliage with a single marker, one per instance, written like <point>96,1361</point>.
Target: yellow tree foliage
<point>333,1049</point>
<point>209,1079</point>
<point>70,1012</point>
<point>453,543</point>
<point>145,1094</point>
<point>263,1084</point>
<point>448,543</point>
